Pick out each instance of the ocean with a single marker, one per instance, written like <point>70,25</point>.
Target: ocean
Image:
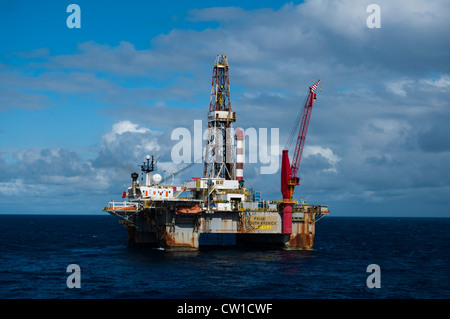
<point>412,256</point>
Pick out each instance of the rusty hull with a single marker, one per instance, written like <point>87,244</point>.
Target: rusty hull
<point>303,231</point>
<point>163,227</point>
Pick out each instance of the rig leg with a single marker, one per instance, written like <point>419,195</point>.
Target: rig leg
<point>303,231</point>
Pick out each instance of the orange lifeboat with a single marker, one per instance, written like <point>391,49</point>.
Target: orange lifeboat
<point>188,210</point>
<point>120,210</point>
<point>126,208</point>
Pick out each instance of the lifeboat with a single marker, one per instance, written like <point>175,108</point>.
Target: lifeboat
<point>125,208</point>
<point>120,210</point>
<point>188,210</point>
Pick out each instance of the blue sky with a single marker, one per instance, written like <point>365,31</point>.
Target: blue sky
<point>80,108</point>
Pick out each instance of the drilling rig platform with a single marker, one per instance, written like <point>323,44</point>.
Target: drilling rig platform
<point>217,209</point>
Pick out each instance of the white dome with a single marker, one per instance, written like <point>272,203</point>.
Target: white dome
<point>157,179</point>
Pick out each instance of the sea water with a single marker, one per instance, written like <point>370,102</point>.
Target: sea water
<point>413,256</point>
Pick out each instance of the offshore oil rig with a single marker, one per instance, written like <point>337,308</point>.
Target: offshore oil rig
<point>217,209</point>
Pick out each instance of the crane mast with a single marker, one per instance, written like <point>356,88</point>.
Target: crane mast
<point>289,173</point>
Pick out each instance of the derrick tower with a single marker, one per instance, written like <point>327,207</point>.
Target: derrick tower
<point>219,152</point>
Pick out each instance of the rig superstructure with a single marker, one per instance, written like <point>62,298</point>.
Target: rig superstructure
<point>217,209</point>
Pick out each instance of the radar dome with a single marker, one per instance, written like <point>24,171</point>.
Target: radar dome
<point>157,179</point>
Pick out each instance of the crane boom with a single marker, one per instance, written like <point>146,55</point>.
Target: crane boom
<point>289,173</point>
<point>303,130</point>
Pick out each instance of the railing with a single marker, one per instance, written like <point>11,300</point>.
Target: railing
<point>121,206</point>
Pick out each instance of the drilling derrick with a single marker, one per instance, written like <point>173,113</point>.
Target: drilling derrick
<point>219,153</point>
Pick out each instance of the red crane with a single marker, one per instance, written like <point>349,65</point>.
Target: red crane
<point>289,178</point>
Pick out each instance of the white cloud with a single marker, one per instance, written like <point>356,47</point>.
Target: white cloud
<point>402,86</point>
<point>443,82</point>
<point>124,127</point>
<point>17,187</point>
<point>391,129</point>
<point>398,86</point>
<point>126,145</point>
<point>326,153</point>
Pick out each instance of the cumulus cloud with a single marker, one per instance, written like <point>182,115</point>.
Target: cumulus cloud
<point>126,145</point>
<point>325,153</point>
<point>52,167</point>
<point>123,127</point>
<point>47,173</point>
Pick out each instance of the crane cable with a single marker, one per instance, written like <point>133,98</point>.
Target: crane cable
<point>294,131</point>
